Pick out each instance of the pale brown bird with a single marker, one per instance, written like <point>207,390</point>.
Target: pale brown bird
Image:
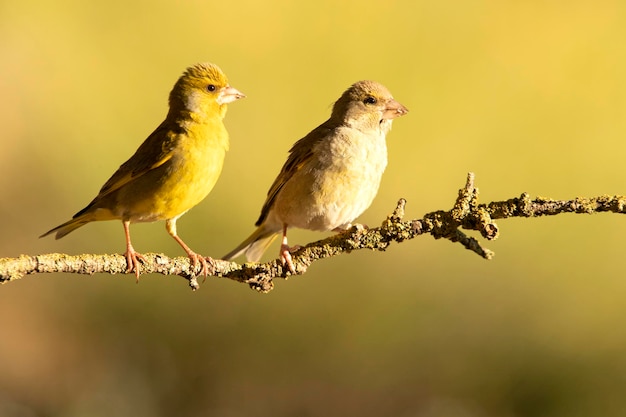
<point>331,175</point>
<point>174,168</point>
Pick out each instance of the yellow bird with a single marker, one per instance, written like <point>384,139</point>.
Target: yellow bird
<point>331,175</point>
<point>174,169</point>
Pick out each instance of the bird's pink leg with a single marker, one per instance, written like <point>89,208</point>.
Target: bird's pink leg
<point>132,257</point>
<point>285,252</point>
<point>195,258</point>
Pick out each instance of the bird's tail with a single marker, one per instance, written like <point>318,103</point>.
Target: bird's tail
<point>255,245</point>
<point>89,214</point>
<point>67,227</point>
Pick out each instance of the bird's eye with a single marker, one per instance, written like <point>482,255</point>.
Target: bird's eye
<point>369,100</point>
<point>211,87</point>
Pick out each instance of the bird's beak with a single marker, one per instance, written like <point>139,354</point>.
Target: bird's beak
<point>229,94</point>
<point>394,109</point>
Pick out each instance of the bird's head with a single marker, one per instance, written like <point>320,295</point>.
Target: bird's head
<point>367,105</point>
<point>201,90</point>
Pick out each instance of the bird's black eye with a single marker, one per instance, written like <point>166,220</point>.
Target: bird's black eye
<point>369,100</point>
<point>211,87</point>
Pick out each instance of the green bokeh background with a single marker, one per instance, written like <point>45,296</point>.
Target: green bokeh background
<point>531,96</point>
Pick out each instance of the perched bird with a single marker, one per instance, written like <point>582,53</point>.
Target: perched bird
<point>331,175</point>
<point>173,169</point>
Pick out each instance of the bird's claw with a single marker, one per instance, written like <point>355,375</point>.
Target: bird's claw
<point>207,266</point>
<point>285,256</point>
<point>347,228</point>
<point>133,259</point>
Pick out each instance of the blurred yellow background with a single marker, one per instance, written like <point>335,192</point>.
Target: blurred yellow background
<point>531,96</point>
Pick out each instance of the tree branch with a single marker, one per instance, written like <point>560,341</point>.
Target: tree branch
<point>466,214</point>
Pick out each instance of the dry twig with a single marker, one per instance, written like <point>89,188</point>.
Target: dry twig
<point>466,214</point>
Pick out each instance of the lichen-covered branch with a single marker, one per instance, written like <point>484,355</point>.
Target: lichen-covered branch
<point>466,214</point>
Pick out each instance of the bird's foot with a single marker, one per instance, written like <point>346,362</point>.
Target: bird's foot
<point>358,226</point>
<point>207,266</point>
<point>285,256</point>
<point>133,259</point>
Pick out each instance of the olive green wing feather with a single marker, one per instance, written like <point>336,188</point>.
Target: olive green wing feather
<point>156,150</point>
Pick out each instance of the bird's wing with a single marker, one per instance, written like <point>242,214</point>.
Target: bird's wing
<point>299,154</point>
<point>156,150</point>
